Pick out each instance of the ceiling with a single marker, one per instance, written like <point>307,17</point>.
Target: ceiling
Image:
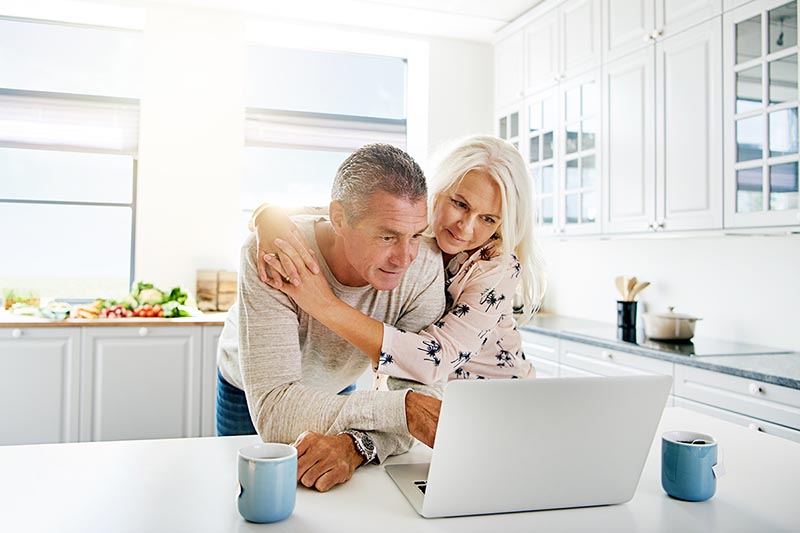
<point>474,20</point>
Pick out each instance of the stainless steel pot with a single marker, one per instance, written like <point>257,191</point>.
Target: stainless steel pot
<point>669,326</point>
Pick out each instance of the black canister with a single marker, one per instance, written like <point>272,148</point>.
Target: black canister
<point>626,314</point>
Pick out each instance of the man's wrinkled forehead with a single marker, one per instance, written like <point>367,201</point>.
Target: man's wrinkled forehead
<point>394,215</point>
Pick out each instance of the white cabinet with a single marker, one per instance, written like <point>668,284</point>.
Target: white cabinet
<point>669,92</point>
<point>674,16</point>
<point>508,60</point>
<point>688,136</point>
<point>605,362</point>
<point>580,44</point>
<point>542,67</point>
<point>562,43</point>
<point>761,115</point>
<point>561,141</point>
<point>542,352</point>
<point>756,399</point>
<point>140,382</point>
<point>208,381</point>
<point>39,399</point>
<point>751,423</point>
<point>628,143</point>
<point>629,25</point>
<point>509,124</point>
<point>755,404</point>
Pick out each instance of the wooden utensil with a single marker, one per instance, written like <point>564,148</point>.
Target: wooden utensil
<point>638,288</point>
<point>631,285</point>
<point>621,285</point>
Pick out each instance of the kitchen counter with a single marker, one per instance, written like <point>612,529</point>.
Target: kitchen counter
<point>190,485</point>
<point>762,363</point>
<point>7,320</point>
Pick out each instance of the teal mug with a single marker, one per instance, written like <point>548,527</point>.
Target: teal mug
<point>267,482</point>
<point>687,465</point>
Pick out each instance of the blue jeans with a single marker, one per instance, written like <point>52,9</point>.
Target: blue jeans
<point>233,416</point>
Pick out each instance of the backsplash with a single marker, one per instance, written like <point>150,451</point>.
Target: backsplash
<point>746,288</point>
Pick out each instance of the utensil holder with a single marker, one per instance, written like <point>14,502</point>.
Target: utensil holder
<point>626,314</point>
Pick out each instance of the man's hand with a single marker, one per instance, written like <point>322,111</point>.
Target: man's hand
<point>324,461</point>
<point>422,416</point>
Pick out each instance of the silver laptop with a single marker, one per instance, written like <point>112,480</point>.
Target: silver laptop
<point>530,444</point>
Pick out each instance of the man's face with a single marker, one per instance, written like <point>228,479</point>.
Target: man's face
<point>381,246</point>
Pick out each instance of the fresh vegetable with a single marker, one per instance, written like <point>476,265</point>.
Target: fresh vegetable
<point>150,296</point>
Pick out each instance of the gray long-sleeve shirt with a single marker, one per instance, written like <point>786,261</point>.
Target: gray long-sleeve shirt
<point>291,367</point>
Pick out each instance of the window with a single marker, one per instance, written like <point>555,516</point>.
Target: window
<point>68,141</point>
<point>326,105</point>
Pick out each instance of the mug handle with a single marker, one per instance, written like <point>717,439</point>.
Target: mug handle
<point>719,468</point>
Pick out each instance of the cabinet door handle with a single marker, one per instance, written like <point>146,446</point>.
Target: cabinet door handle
<point>661,225</point>
<point>143,332</point>
<point>754,389</point>
<point>754,427</point>
<point>656,34</point>
<point>16,333</point>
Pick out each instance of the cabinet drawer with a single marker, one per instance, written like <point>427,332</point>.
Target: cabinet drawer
<point>538,345</point>
<point>544,367</point>
<point>746,421</point>
<point>572,372</point>
<point>610,362</point>
<point>749,397</point>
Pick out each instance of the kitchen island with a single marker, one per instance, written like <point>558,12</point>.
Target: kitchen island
<point>190,485</point>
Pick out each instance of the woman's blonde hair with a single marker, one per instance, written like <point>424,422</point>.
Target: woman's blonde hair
<point>503,162</point>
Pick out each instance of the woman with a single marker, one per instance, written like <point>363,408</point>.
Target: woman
<point>482,218</point>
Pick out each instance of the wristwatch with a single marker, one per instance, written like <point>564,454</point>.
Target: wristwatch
<point>364,444</point>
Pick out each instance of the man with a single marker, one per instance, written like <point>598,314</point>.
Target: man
<point>290,368</point>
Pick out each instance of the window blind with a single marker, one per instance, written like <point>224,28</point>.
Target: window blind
<point>287,129</point>
<point>56,121</point>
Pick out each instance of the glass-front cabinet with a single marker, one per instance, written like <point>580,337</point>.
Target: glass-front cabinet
<point>580,112</point>
<point>761,121</point>
<point>508,126</point>
<point>541,112</point>
<point>561,146</point>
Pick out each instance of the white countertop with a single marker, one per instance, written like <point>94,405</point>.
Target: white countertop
<point>190,485</point>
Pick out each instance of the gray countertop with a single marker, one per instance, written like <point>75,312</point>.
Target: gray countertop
<point>763,363</point>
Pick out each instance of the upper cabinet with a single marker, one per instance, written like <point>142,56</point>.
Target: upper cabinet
<point>579,43</point>
<point>629,25</point>
<point>678,140</point>
<point>688,136</point>
<point>674,16</point>
<point>562,43</point>
<point>561,145</point>
<point>761,122</point>
<point>662,141</point>
<point>508,70</point>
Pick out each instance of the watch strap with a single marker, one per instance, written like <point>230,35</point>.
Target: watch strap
<point>363,443</point>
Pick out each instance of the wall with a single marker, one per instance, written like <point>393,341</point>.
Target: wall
<point>746,288</point>
<point>461,90</point>
<point>190,145</point>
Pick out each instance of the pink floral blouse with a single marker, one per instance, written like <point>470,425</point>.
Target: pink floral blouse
<point>477,337</point>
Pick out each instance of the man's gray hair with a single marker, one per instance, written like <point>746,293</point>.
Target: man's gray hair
<point>373,168</point>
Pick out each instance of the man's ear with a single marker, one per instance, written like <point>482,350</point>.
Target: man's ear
<point>338,218</point>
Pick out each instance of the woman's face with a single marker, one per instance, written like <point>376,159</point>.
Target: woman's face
<point>467,215</point>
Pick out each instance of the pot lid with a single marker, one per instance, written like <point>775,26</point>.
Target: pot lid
<point>670,313</point>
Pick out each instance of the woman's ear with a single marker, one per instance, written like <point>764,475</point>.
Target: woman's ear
<point>338,219</point>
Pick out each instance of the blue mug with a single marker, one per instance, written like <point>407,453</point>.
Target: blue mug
<point>687,462</point>
<point>267,481</point>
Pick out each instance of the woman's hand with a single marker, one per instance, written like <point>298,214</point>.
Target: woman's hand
<point>272,224</point>
<point>311,291</point>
